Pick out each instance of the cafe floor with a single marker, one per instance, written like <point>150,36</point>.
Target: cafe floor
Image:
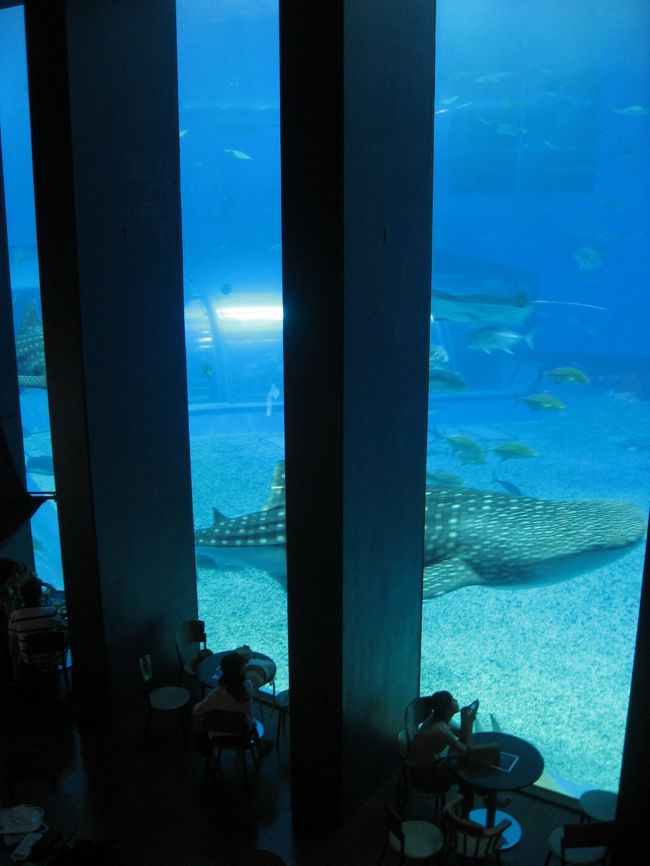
<point>148,803</point>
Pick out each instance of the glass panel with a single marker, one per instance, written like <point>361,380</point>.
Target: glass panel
<point>228,70</point>
<point>25,289</point>
<point>539,372</point>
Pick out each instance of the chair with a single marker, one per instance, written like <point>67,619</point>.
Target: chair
<point>471,841</point>
<point>415,713</point>
<point>231,730</point>
<point>412,840</point>
<point>46,653</point>
<point>582,843</point>
<point>281,705</point>
<point>163,698</point>
<point>190,640</point>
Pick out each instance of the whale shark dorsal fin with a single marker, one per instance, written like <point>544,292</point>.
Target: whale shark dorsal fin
<point>276,495</point>
<point>30,320</point>
<point>448,575</point>
<point>217,516</point>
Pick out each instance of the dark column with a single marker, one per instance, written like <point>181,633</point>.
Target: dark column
<point>633,797</point>
<point>103,100</point>
<point>357,107</point>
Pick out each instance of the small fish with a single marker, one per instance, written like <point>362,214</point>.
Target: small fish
<point>238,154</point>
<point>632,111</point>
<point>510,129</point>
<point>444,479</point>
<point>550,145</point>
<point>588,258</point>
<point>467,450</point>
<point>272,395</point>
<point>508,486</point>
<point>512,450</point>
<point>498,339</point>
<point>182,133</point>
<point>438,354</point>
<point>567,374</point>
<point>494,77</point>
<point>441,111</point>
<point>207,370</point>
<point>441,379</point>
<point>449,100</point>
<point>543,401</point>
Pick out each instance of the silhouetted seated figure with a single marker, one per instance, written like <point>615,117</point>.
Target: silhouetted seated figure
<point>435,738</point>
<point>32,617</point>
<point>233,694</point>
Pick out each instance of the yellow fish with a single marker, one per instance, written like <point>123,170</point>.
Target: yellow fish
<point>543,401</point>
<point>567,374</point>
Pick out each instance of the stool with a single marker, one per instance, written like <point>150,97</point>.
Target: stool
<point>598,805</point>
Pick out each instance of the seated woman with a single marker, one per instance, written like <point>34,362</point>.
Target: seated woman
<point>435,738</point>
<point>233,694</point>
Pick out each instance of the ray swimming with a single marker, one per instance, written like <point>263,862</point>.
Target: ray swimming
<point>472,537</point>
<point>475,308</point>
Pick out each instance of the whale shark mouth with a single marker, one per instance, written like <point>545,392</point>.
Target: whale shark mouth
<point>472,537</point>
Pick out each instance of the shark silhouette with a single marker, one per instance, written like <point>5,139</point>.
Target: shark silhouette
<point>472,537</point>
<point>30,354</point>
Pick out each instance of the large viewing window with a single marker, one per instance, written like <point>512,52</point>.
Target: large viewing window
<point>230,173</point>
<point>539,372</point>
<point>25,290</point>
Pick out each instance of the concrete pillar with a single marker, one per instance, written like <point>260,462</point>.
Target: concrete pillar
<point>357,109</point>
<point>103,101</point>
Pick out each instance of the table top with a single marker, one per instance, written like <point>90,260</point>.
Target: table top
<point>209,669</point>
<point>526,771</point>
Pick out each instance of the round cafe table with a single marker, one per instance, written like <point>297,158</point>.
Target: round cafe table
<point>525,771</point>
<point>209,670</point>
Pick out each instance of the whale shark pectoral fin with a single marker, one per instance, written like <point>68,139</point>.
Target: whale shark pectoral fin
<point>448,575</point>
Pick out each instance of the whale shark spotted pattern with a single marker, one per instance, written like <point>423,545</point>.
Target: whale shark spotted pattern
<point>472,537</point>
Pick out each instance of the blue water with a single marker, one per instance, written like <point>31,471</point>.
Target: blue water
<point>542,137</point>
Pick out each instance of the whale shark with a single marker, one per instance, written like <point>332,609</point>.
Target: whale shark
<point>30,354</point>
<point>471,537</point>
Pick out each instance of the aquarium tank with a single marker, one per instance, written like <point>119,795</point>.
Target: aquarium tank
<point>538,462</point>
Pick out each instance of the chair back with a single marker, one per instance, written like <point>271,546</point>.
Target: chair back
<point>394,823</point>
<point>231,722</point>
<point>467,838</point>
<point>192,631</point>
<point>44,649</point>
<point>146,670</point>
<point>414,714</point>
<point>594,835</point>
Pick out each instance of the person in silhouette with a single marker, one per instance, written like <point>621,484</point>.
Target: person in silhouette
<point>30,618</point>
<point>234,694</point>
<point>436,738</point>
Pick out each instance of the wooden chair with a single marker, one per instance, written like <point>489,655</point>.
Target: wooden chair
<point>469,840</point>
<point>582,843</point>
<point>412,840</point>
<point>415,713</point>
<point>232,731</point>
<point>163,698</point>
<point>46,653</point>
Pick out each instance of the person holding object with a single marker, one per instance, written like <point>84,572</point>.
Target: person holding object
<point>437,737</point>
<point>233,694</point>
